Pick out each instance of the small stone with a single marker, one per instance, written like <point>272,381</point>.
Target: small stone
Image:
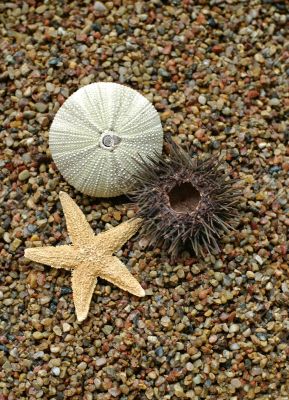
<point>57,330</point>
<point>50,87</point>
<point>213,339</point>
<point>165,321</point>
<point>258,259</point>
<point>41,9</point>
<point>256,371</point>
<point>114,392</point>
<point>236,383</point>
<point>66,327</point>
<point>15,244</point>
<point>107,329</point>
<point>24,175</point>
<point>197,379</point>
<point>55,371</point>
<point>99,362</point>
<point>143,243</point>
<point>202,99</point>
<point>284,287</point>
<point>274,102</point>
<point>234,328</point>
<point>25,69</point>
<point>152,375</point>
<point>38,355</point>
<point>41,107</point>
<point>130,213</point>
<point>159,351</point>
<point>6,237</point>
<point>179,391</point>
<point>37,335</point>
<point>259,58</point>
<point>82,366</point>
<point>247,332</point>
<point>164,73</point>
<point>159,381</point>
<point>99,6</point>
<point>117,215</point>
<point>227,111</point>
<point>29,114</point>
<point>54,349</point>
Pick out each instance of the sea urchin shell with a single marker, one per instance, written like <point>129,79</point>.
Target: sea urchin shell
<point>98,132</point>
<point>185,201</point>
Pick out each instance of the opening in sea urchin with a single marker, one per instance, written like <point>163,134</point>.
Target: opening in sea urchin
<point>109,140</point>
<point>184,198</point>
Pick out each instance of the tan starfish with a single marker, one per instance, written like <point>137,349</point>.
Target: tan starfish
<point>89,256</point>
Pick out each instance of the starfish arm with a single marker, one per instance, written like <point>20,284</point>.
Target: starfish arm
<point>78,228</point>
<point>83,284</point>
<point>57,257</point>
<point>115,271</point>
<point>114,238</point>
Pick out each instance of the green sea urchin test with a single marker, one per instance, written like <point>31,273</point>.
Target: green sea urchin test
<point>98,133</point>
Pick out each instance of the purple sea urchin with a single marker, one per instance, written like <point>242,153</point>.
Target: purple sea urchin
<point>185,201</point>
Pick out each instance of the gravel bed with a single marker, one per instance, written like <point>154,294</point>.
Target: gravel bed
<point>209,328</point>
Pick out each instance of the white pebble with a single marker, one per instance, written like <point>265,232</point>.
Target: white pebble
<point>234,328</point>
<point>202,99</point>
<point>55,371</point>
<point>66,327</point>
<point>258,259</point>
<point>100,361</point>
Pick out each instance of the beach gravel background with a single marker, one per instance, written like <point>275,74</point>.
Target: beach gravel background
<point>215,327</point>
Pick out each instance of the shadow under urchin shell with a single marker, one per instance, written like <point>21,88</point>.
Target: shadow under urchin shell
<point>185,201</point>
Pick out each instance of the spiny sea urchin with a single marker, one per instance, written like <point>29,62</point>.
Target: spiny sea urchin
<point>185,201</point>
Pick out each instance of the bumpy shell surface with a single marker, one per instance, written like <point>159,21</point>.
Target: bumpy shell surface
<point>97,135</point>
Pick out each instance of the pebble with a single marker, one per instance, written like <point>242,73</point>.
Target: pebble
<point>41,107</point>
<point>256,371</point>
<point>236,383</point>
<point>99,6</point>
<point>234,346</point>
<point>213,339</point>
<point>24,175</point>
<point>100,361</point>
<point>41,9</point>
<point>15,244</point>
<point>107,329</point>
<point>66,327</point>
<point>165,321</point>
<point>234,328</point>
<point>57,330</point>
<point>37,335</point>
<point>130,214</point>
<point>202,99</point>
<point>274,102</point>
<point>226,111</point>
<point>55,371</point>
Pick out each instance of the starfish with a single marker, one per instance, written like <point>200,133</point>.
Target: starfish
<point>90,256</point>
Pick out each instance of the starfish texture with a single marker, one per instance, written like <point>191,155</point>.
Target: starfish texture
<point>89,256</point>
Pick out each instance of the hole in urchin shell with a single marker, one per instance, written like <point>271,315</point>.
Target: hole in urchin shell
<point>184,198</point>
<point>109,140</point>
